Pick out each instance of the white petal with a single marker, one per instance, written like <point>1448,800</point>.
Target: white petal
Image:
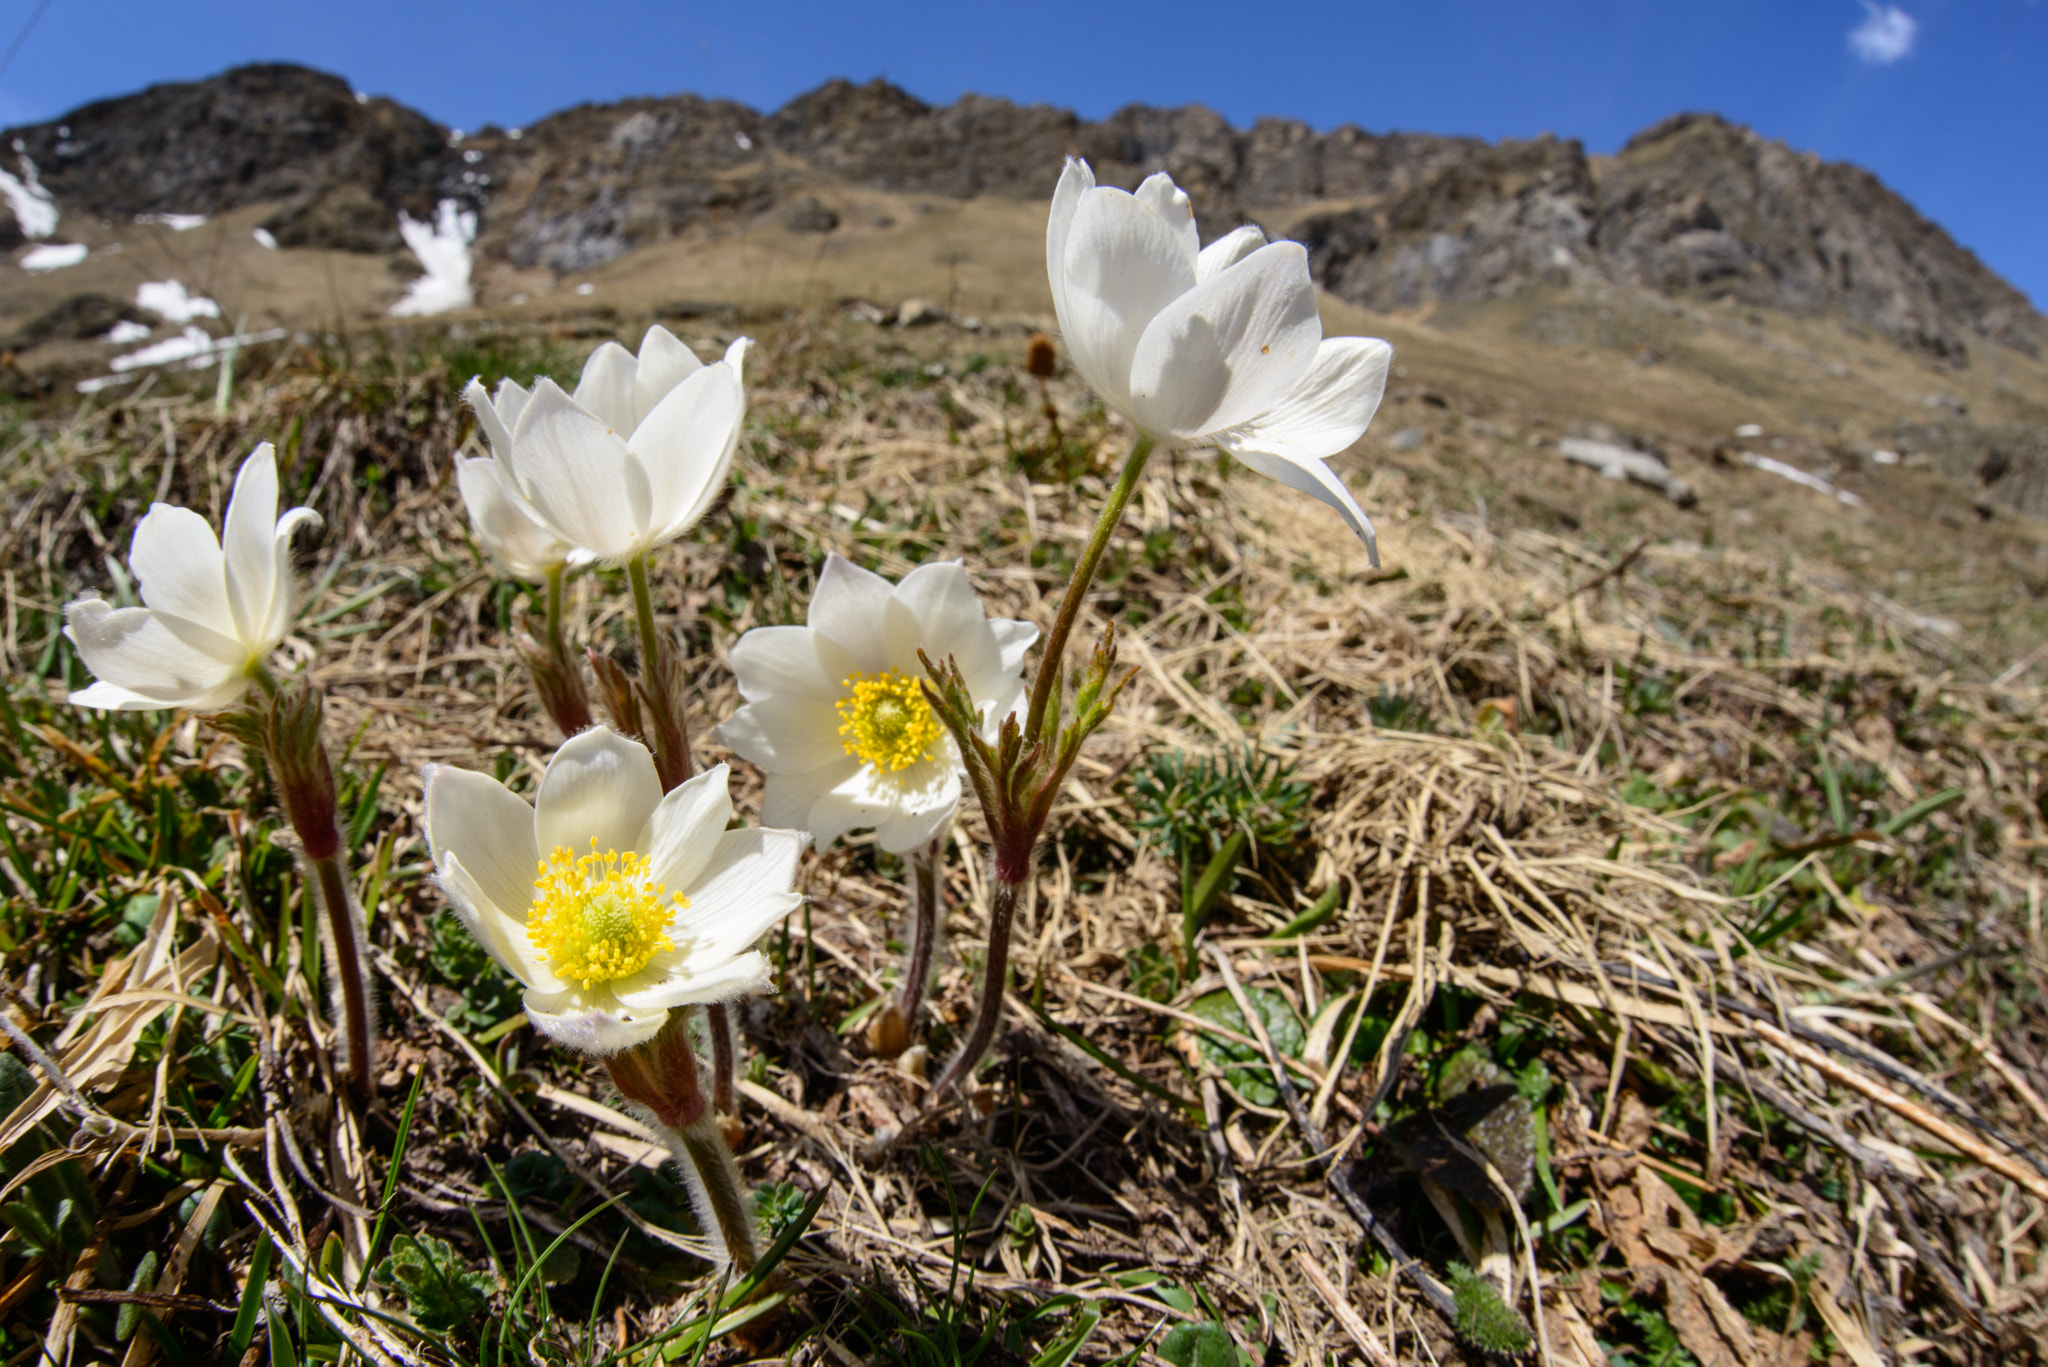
<point>248,541</point>
<point>495,426</point>
<point>1124,265</point>
<point>509,535</point>
<point>1331,407</point>
<point>490,826</point>
<point>1013,638</point>
<point>785,734</point>
<point>600,786</point>
<point>743,890</point>
<point>606,389</point>
<point>736,356</point>
<point>686,827</point>
<point>1314,477</point>
<point>182,576</point>
<point>510,402</point>
<point>745,976</point>
<point>1159,194</point>
<point>869,798</point>
<point>572,471</point>
<point>130,649</point>
<point>686,445</point>
<point>1228,350</point>
<point>500,930</point>
<point>790,799</point>
<point>934,609</point>
<point>796,663</point>
<point>594,1022</point>
<point>1075,180</point>
<point>847,606</point>
<point>903,830</point>
<point>664,364</point>
<point>281,596</point>
<point>1227,251</point>
<point>113,698</point>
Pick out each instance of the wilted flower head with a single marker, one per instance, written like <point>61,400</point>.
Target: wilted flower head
<point>835,710</point>
<point>1208,346</point>
<point>213,608</point>
<point>610,902</point>
<point>628,463</point>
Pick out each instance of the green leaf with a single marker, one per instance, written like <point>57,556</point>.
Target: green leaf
<point>1199,1345</point>
<point>1920,811</point>
<point>1325,907</point>
<point>1072,1338</point>
<point>1198,901</point>
<point>1243,1066</point>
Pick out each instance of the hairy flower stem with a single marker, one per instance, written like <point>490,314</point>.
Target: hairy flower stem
<point>661,1074</point>
<point>668,733</point>
<point>924,930</point>
<point>715,1181</point>
<point>1002,913</point>
<point>345,957</point>
<point>718,1025</point>
<point>1053,661</point>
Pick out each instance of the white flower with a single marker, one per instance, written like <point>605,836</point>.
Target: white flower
<point>835,713</point>
<point>507,531</point>
<point>610,902</point>
<point>214,608</point>
<point>634,458</point>
<point>1208,346</point>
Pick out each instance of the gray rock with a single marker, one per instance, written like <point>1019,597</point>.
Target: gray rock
<point>810,215</point>
<point>1407,439</point>
<point>1619,462</point>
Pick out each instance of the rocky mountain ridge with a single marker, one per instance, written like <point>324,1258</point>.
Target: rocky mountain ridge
<point>1694,207</point>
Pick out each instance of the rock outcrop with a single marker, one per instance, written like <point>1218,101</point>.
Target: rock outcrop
<point>1693,207</point>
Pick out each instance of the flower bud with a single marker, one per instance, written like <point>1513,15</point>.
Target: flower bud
<point>888,1032</point>
<point>615,692</point>
<point>1041,357</point>
<point>558,684</point>
<point>298,760</point>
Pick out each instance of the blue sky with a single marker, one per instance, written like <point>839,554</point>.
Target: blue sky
<point>1947,100</point>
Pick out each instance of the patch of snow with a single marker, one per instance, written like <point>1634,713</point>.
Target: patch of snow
<point>54,256</point>
<point>455,137</point>
<point>168,297</point>
<point>361,97</point>
<point>264,238</point>
<point>472,156</point>
<point>192,342</point>
<point>34,210</point>
<point>746,143</point>
<point>515,133</point>
<point>1779,468</point>
<point>126,331</point>
<point>443,251</point>
<point>586,288</point>
<point>177,223</point>
<point>1883,457</point>
<point>1750,429</point>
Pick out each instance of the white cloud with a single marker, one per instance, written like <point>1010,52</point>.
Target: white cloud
<point>1885,35</point>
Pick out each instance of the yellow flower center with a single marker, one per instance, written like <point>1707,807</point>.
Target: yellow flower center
<point>886,720</point>
<point>597,917</point>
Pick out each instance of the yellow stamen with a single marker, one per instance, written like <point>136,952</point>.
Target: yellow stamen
<point>886,720</point>
<point>597,918</point>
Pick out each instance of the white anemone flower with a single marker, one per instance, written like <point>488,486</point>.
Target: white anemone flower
<point>835,713</point>
<point>634,458</point>
<point>609,902</point>
<point>509,534</point>
<point>1218,346</point>
<point>214,608</point>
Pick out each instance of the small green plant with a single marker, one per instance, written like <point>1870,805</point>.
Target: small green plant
<point>1243,1067</point>
<point>1484,1319</point>
<point>1211,814</point>
<point>1395,711</point>
<point>778,1205</point>
<point>440,1292</point>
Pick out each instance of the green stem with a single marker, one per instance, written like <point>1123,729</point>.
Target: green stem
<point>643,608</point>
<point>1053,661</point>
<point>265,680</point>
<point>556,648</point>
